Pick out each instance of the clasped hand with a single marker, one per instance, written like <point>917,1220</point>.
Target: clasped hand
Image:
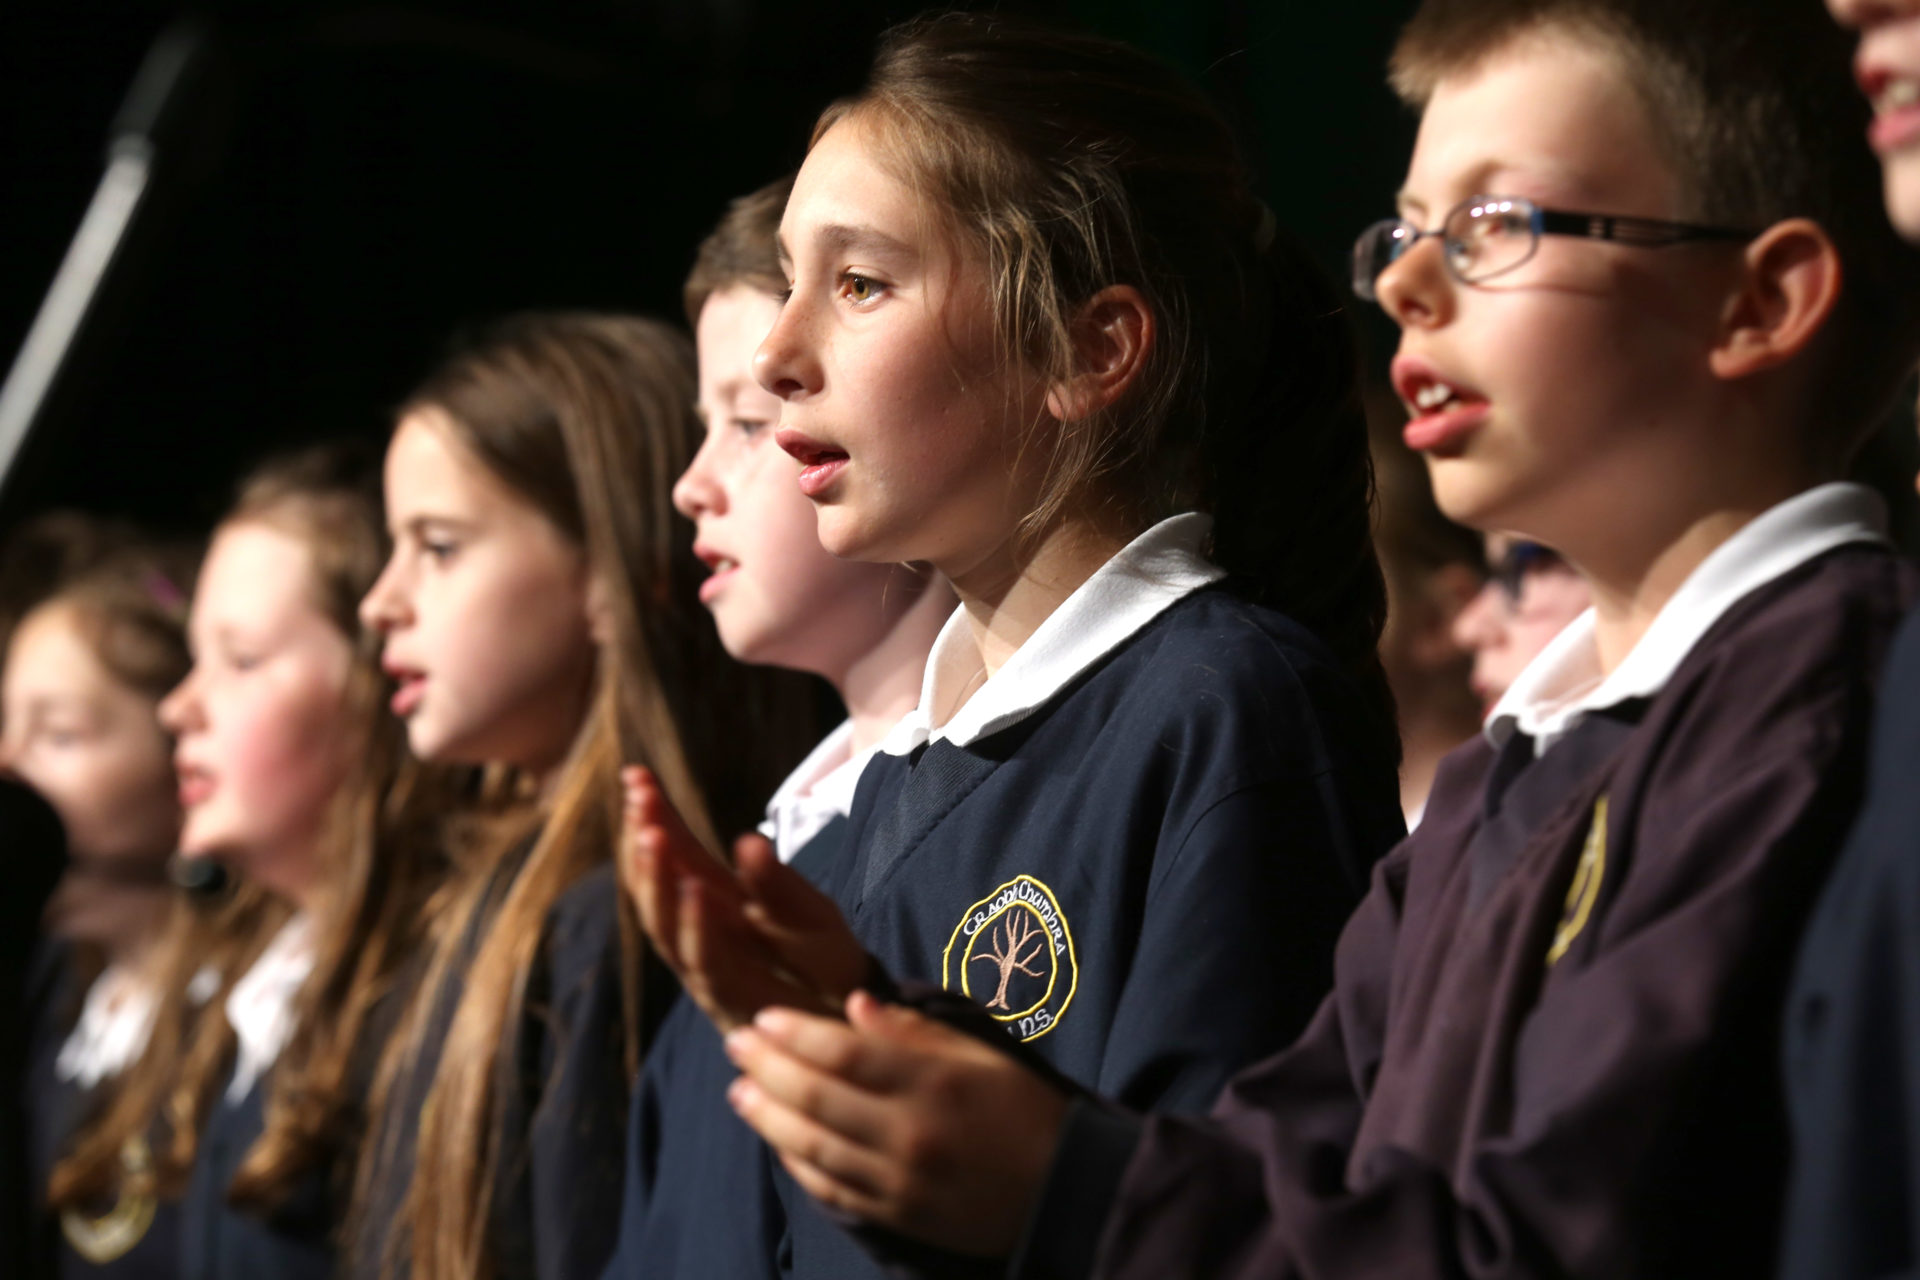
<point>740,938</point>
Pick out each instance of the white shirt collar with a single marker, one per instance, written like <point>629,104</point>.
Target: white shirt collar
<point>1564,681</point>
<point>112,1030</point>
<point>816,793</point>
<point>260,1006</point>
<point>1158,568</point>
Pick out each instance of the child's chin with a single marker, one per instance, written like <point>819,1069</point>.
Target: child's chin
<point>1465,495</point>
<point>850,538</point>
<point>1903,192</point>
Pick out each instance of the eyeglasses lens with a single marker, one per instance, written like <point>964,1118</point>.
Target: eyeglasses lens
<point>1486,236</point>
<point>1376,250</point>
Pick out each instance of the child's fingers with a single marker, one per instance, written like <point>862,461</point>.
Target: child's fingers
<point>831,1193</point>
<point>864,1061</point>
<point>790,903</point>
<point>728,967</point>
<point>897,1025</point>
<point>647,806</point>
<point>656,898</point>
<point>853,1168</point>
<point>829,1100</point>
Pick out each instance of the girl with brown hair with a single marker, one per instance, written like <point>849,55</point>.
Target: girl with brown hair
<point>1041,334</point>
<point>86,668</point>
<point>245,1102</point>
<point>541,618</point>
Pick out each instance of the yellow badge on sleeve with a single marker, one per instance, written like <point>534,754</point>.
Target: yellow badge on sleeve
<point>1585,889</point>
<point>1013,952</point>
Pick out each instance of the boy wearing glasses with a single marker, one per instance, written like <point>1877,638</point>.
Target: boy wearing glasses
<point>1648,305</point>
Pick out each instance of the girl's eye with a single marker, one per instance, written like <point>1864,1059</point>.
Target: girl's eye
<point>750,427</point>
<point>859,288</point>
<point>440,551</point>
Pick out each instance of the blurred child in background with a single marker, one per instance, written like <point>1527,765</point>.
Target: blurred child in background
<point>85,671</point>
<point>1529,596</point>
<point>245,1103</point>
<point>1433,570</point>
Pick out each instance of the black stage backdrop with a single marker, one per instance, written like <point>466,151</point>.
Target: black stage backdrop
<point>356,182</point>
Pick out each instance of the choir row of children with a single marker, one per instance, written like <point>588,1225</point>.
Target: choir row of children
<point>1088,944</point>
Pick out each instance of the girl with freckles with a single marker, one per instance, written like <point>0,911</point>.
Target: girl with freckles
<point>1041,335</point>
<point>540,620</point>
<point>244,1104</point>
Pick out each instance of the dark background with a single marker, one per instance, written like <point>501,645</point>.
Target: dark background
<point>355,182</point>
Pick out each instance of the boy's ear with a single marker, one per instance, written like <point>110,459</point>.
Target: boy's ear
<point>1112,337</point>
<point>1789,284</point>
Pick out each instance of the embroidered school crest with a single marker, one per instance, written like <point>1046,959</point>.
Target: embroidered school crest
<point>1585,889</point>
<point>111,1235</point>
<point>1013,952</point>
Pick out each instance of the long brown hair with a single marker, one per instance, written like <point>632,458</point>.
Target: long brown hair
<point>380,848</point>
<point>589,418</point>
<point>1068,163</point>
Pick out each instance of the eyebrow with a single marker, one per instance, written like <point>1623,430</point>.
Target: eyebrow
<point>416,525</point>
<point>845,238</point>
<point>1495,177</point>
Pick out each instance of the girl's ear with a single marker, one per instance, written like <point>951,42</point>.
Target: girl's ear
<point>1112,337</point>
<point>1789,285</point>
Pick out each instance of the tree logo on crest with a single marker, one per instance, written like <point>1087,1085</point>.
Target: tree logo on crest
<point>1013,952</point>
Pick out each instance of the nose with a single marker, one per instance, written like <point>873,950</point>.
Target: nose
<point>384,607</point>
<point>1870,13</point>
<point>180,711</point>
<point>1482,622</point>
<point>698,491</point>
<point>1415,290</point>
<point>787,363</point>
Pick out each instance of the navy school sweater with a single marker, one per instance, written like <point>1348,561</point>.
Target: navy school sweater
<point>557,1193</point>
<point>221,1242</point>
<point>1143,880</point>
<point>699,1197</point>
<point>136,1237</point>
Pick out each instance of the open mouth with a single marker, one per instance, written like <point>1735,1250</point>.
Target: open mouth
<point>1444,412</point>
<point>820,463</point>
<point>720,565</point>
<point>410,685</point>
<point>195,784</point>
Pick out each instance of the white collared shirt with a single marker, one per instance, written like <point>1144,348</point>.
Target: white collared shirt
<point>1148,575</point>
<point>112,1029</point>
<point>260,1006</point>
<point>816,793</point>
<point>1564,681</point>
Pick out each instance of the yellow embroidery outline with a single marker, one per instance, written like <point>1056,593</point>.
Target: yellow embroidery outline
<point>1585,889</point>
<point>1053,975</point>
<point>114,1233</point>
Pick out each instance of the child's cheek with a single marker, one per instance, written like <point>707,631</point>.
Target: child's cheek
<point>290,760</point>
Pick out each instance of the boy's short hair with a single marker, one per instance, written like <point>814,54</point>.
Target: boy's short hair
<point>1756,110</point>
<point>742,249</point>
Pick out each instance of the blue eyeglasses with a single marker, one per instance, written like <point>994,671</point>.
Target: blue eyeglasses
<point>1485,236</point>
